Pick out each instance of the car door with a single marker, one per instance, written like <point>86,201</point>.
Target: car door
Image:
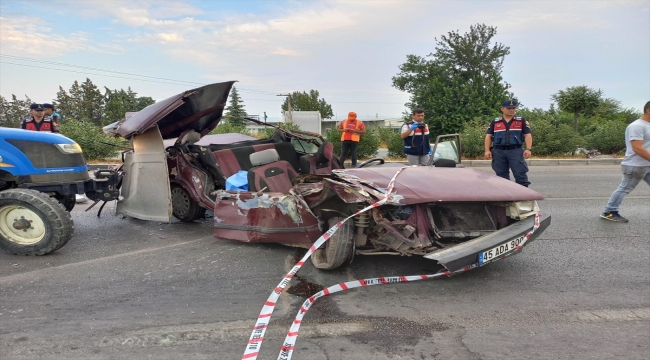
<point>145,192</point>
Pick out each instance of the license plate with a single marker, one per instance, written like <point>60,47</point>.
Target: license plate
<point>499,250</point>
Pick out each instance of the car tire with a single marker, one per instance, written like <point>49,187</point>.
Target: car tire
<point>336,251</point>
<point>184,208</point>
<point>50,225</point>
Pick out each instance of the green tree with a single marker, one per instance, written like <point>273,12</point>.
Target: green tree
<point>577,100</point>
<point>13,112</point>
<point>472,137</point>
<point>119,102</point>
<point>83,102</point>
<point>609,138</point>
<point>235,111</point>
<point>302,101</point>
<point>95,144</point>
<point>459,81</point>
<point>226,127</point>
<point>269,131</point>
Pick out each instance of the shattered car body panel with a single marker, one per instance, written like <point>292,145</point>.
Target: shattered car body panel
<point>264,217</point>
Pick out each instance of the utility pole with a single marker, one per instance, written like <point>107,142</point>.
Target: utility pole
<point>289,103</point>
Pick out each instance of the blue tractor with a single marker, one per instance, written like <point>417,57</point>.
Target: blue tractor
<point>40,175</point>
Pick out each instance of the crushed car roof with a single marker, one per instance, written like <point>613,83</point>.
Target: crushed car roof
<point>199,109</point>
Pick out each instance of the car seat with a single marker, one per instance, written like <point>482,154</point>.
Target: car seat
<point>322,162</point>
<point>269,173</point>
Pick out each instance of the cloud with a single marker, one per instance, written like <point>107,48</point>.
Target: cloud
<point>133,12</point>
<point>32,36</point>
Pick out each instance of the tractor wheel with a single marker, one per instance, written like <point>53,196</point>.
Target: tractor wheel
<point>68,201</point>
<point>336,250</point>
<point>32,223</point>
<point>184,208</point>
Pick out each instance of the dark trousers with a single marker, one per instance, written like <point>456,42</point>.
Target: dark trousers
<point>349,146</point>
<point>505,160</point>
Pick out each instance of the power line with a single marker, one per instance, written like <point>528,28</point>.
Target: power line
<point>167,80</point>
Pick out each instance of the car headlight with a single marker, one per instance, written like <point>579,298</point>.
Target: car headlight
<point>73,148</point>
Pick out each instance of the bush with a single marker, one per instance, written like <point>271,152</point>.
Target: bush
<point>549,139</point>
<point>395,145</point>
<point>226,127</point>
<point>367,146</point>
<point>472,137</point>
<point>608,138</point>
<point>95,144</point>
<point>386,134</point>
<point>269,131</point>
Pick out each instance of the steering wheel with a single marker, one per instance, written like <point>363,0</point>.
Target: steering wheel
<point>368,162</point>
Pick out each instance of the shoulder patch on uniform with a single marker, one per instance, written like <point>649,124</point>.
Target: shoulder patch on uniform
<point>527,123</point>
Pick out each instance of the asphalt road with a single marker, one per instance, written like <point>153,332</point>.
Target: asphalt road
<point>130,289</point>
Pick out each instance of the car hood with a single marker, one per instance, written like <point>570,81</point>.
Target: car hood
<point>430,184</point>
<point>199,109</point>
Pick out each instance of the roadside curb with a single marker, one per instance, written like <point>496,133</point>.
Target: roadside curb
<point>534,162</point>
<point>482,163</point>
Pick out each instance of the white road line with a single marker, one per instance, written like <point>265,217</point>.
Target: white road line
<point>33,275</point>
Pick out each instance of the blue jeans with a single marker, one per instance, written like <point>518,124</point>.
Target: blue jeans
<point>632,175</point>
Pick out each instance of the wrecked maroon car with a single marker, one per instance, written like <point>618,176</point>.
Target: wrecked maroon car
<point>297,189</point>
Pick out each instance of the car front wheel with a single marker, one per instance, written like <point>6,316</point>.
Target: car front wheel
<point>184,208</point>
<point>336,250</point>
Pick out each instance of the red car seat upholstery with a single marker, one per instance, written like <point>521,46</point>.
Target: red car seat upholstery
<point>322,162</point>
<point>269,173</point>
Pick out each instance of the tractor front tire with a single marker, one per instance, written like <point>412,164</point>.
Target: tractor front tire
<point>33,223</point>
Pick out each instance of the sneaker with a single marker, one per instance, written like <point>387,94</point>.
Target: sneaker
<point>81,198</point>
<point>613,216</point>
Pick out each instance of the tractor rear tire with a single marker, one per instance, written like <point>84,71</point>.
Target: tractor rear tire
<point>184,208</point>
<point>33,223</point>
<point>336,250</point>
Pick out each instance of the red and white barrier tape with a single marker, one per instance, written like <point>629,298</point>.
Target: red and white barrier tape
<point>290,340</point>
<point>257,336</point>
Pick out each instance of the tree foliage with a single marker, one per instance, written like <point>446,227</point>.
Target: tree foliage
<point>235,110</point>
<point>609,138</point>
<point>577,100</point>
<point>13,112</point>
<point>95,144</point>
<point>226,127</point>
<point>302,101</point>
<point>459,81</point>
<point>83,102</point>
<point>119,102</point>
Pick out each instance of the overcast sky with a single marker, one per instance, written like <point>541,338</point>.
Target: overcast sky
<point>347,50</point>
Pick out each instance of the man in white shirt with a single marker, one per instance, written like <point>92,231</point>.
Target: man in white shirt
<point>636,164</point>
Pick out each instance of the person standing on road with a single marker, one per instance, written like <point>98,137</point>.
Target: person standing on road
<point>635,165</point>
<point>507,134</point>
<point>54,117</point>
<point>351,130</point>
<point>36,120</point>
<point>415,134</point>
